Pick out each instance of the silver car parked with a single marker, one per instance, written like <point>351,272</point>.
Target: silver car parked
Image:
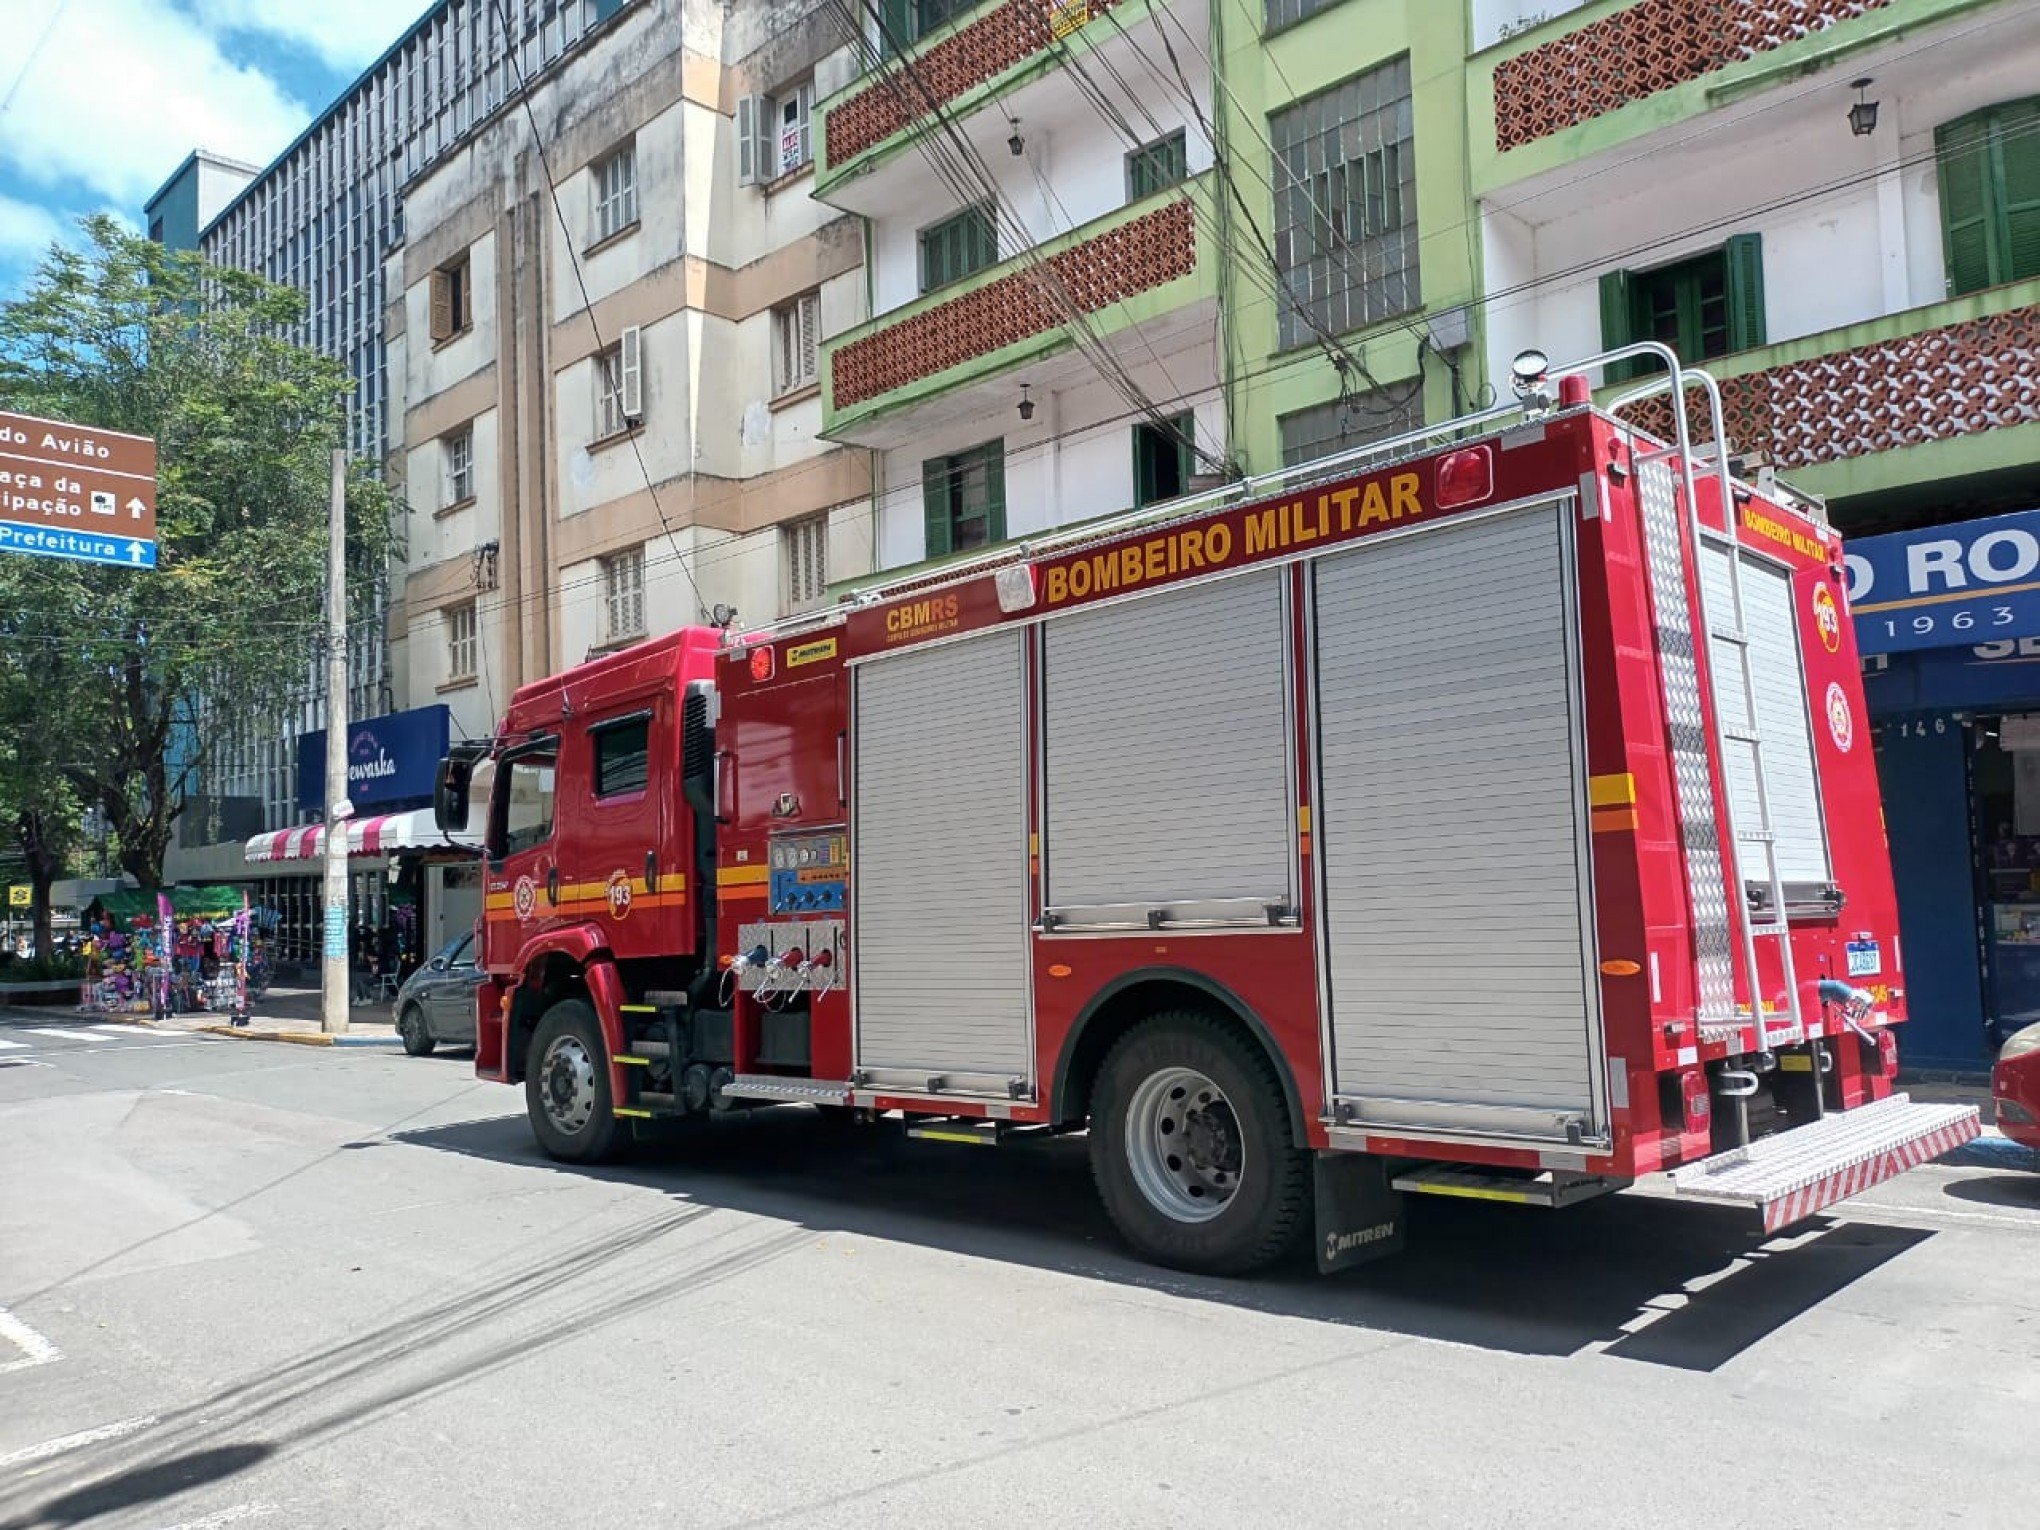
<point>437,1002</point>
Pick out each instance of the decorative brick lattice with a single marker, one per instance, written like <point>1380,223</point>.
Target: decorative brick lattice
<point>1641,50</point>
<point>965,59</point>
<point>1933,386</point>
<point>1151,250</point>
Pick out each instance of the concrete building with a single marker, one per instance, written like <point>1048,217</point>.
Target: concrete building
<point>321,218</point>
<point>603,338</point>
<point>1119,250</point>
<point>1835,204</point>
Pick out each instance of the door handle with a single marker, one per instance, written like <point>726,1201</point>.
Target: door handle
<point>651,871</point>
<point>552,885</point>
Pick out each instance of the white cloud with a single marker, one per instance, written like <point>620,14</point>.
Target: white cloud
<point>345,34</point>
<point>122,91</point>
<point>27,232</point>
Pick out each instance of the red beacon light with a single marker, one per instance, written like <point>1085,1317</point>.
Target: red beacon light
<point>1465,477</point>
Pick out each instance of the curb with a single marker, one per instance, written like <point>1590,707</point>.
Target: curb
<point>301,1038</point>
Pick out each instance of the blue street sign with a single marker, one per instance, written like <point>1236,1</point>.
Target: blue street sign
<point>1976,582</point>
<point>78,546</point>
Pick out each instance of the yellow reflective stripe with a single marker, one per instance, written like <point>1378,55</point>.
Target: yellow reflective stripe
<point>1611,791</point>
<point>1477,1193</point>
<point>972,1138</point>
<point>641,1115</point>
<point>633,1062</point>
<point>741,876</point>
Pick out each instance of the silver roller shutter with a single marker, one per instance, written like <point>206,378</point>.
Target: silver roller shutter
<point>1166,729</point>
<point>939,866</point>
<point>1784,723</point>
<point>1451,834</point>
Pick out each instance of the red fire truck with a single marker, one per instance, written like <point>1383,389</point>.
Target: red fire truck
<point>1489,813</point>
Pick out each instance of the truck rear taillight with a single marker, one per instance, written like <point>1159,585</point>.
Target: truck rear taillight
<point>1693,1094</point>
<point>1465,478</point>
<point>761,663</point>
<point>1887,1053</point>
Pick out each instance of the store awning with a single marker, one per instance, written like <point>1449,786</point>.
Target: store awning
<point>384,834</point>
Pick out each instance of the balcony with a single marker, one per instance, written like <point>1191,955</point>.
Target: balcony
<point>1937,392</point>
<point>1010,55</point>
<point>1616,70</point>
<point>1145,276</point>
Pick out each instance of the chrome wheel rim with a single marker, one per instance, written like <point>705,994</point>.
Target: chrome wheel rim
<point>1184,1144</point>
<point>566,1084</point>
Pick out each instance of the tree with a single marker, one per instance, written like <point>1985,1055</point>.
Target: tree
<point>136,667</point>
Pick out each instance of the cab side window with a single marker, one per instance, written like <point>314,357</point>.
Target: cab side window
<point>622,755</point>
<point>528,799</point>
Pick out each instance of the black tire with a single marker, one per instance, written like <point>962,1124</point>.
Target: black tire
<point>572,1126</point>
<point>1266,1210</point>
<point>415,1032</point>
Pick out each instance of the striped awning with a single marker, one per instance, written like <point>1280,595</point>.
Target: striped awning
<point>384,834</point>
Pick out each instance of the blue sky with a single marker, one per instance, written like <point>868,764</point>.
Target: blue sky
<point>105,98</point>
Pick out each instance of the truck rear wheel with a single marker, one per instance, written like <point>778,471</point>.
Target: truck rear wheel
<point>1191,1149</point>
<point>566,1086</point>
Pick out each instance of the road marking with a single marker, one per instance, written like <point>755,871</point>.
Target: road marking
<point>51,1030</point>
<point>116,1029</point>
<point>76,1441</point>
<point>233,1516</point>
<point>11,1046</point>
<point>35,1349</point>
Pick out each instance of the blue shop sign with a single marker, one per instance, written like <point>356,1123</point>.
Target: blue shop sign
<point>390,759</point>
<point>1957,586</point>
<point>1985,677</point>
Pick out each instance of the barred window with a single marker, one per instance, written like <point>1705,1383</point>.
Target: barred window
<point>1341,424</point>
<point>1346,205</point>
<point>623,595</point>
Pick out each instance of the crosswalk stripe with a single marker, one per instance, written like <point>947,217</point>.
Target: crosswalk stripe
<point>115,1030</point>
<point>51,1030</point>
<point>11,1046</point>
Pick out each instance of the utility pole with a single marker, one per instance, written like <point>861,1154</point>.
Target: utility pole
<point>334,976</point>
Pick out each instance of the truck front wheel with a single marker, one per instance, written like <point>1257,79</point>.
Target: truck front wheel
<point>566,1086</point>
<point>1191,1149</point>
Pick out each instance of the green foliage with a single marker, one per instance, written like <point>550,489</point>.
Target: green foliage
<point>132,667</point>
<point>54,968</point>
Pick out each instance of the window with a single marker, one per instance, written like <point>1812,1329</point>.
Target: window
<point>452,300</point>
<point>1990,195</point>
<point>955,247</point>
<point>1286,13</point>
<point>793,342</point>
<point>791,117</point>
<point>1341,424</point>
<point>616,192</point>
<point>1705,306</point>
<point>524,805</point>
<point>1346,205</point>
<point>904,22</point>
<point>458,449</point>
<point>1154,166</point>
<point>963,498</point>
<point>623,596</point>
<point>807,560</point>
<point>619,384</point>
<point>1163,459</point>
<point>156,230</point>
<point>460,642</point>
<point>622,755</point>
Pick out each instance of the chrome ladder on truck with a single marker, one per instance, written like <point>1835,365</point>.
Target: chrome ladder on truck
<point>1705,758</point>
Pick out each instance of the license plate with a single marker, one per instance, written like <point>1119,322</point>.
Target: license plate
<point>1866,958</point>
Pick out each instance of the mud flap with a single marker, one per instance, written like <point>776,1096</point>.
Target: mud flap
<point>1359,1213</point>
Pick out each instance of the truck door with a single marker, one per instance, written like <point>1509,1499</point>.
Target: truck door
<point>616,865</point>
<point>521,859</point>
<point>1452,833</point>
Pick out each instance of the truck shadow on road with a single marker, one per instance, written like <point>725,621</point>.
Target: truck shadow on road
<point>1644,1279</point>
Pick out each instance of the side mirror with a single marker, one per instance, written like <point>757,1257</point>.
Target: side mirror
<point>438,964</point>
<point>450,793</point>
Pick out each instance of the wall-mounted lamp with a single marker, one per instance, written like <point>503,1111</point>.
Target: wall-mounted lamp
<point>1015,143</point>
<point>1863,115</point>
<point>1026,404</point>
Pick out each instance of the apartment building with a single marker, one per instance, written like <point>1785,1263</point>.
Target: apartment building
<point>1119,251</point>
<point>603,324</point>
<point>1835,205</point>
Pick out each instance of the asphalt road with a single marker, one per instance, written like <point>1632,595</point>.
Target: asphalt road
<point>248,1283</point>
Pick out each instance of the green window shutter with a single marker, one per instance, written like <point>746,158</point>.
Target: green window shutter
<point>1744,254</point>
<point>936,476</point>
<point>995,490</point>
<point>1963,151</point>
<point>898,29</point>
<point>2016,139</point>
<point>1618,323</point>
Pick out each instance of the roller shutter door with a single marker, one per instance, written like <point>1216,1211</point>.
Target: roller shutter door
<point>1168,760</point>
<point>939,866</point>
<point>1783,721</point>
<point>1451,832</point>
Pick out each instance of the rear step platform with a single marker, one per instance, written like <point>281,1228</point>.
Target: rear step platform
<point>1790,1176</point>
<point>1547,1189</point>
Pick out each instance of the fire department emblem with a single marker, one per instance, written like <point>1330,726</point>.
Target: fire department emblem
<point>1841,721</point>
<point>1827,617</point>
<point>525,897</point>
<point>619,894</point>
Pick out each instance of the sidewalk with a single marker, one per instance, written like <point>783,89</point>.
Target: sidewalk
<point>282,1014</point>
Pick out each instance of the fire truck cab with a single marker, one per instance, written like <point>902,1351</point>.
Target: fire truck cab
<point>1489,812</point>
